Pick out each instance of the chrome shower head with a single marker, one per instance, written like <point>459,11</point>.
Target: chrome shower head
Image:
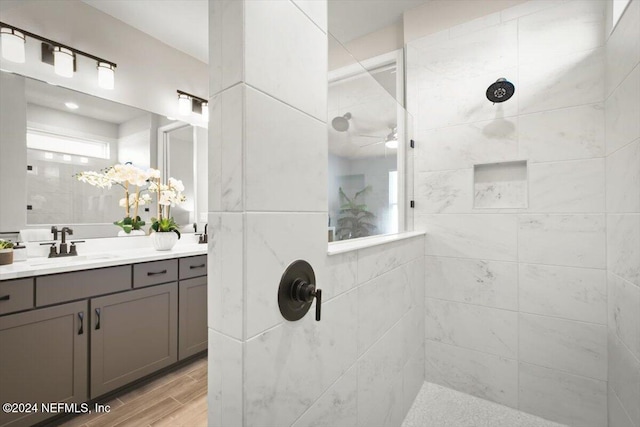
<point>500,91</point>
<point>341,123</point>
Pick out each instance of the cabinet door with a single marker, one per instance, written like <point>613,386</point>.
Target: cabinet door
<point>43,358</point>
<point>132,335</point>
<point>193,317</point>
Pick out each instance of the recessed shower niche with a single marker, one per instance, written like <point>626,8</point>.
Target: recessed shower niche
<point>500,185</point>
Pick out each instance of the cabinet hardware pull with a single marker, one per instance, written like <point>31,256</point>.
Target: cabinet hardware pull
<point>193,267</point>
<point>81,319</point>
<point>97,319</point>
<point>5,297</point>
<point>153,273</point>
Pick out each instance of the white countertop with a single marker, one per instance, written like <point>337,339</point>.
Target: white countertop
<point>109,257</point>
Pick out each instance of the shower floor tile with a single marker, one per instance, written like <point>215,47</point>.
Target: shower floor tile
<point>437,406</point>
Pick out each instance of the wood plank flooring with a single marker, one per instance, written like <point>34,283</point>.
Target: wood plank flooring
<point>176,399</point>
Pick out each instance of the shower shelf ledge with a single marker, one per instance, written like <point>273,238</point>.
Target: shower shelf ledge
<point>366,242</point>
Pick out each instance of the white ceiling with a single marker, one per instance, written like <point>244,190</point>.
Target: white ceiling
<point>184,24</point>
<point>181,24</point>
<point>350,19</point>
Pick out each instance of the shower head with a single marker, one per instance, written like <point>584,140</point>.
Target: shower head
<point>341,123</point>
<point>500,91</point>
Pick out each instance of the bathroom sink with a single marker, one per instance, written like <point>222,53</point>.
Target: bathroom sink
<point>70,260</point>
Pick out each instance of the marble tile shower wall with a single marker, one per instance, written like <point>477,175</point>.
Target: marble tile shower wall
<point>622,111</point>
<point>516,299</point>
<point>363,363</point>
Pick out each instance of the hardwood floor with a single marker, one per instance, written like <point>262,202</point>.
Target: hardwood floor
<point>177,399</point>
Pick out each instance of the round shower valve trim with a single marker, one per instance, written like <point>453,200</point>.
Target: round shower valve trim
<point>297,290</point>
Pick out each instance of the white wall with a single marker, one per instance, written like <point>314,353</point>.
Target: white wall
<point>361,365</point>
<point>516,307</point>
<point>622,110</point>
<point>148,73</point>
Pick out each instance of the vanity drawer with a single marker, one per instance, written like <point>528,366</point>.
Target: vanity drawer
<point>16,295</point>
<point>81,284</point>
<point>194,266</point>
<point>154,273</point>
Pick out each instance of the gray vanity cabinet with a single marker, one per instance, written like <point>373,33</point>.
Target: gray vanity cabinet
<point>133,334</point>
<point>43,358</point>
<point>193,317</point>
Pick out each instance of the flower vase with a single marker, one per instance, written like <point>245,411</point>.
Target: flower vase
<point>123,233</point>
<point>164,241</point>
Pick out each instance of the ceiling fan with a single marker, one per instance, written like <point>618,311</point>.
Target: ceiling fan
<point>390,140</point>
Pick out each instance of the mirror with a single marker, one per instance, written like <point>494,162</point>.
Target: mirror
<point>54,133</point>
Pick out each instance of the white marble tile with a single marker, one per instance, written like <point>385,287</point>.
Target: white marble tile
<point>478,25</point>
<point>278,361</point>
<point>479,374</point>
<point>527,8</point>
<point>225,290</point>
<point>566,292</point>
<point>564,134</point>
<point>617,415</point>
<point>380,376</point>
<point>341,274</point>
<point>315,10</point>
<point>377,260</point>
<point>562,81</point>
<point>381,303</point>
<point>225,388</point>
<point>488,283</point>
<point>226,152</point>
<point>273,242</point>
<point>413,379</point>
<point>226,39</point>
<point>273,149</point>
<point>623,47</point>
<point>462,146</point>
<point>481,236</point>
<point>413,330</point>
<point>584,400</point>
<point>270,49</point>
<point>337,406</point>
<point>624,312</point>
<point>623,179</point>
<point>573,186</point>
<point>571,27</point>
<point>444,191</point>
<point>444,102</point>
<point>623,246</point>
<point>474,327</point>
<point>569,240</point>
<point>575,347</point>
<point>500,186</point>
<point>624,377</point>
<point>622,111</point>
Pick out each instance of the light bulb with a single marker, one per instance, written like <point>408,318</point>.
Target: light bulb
<point>184,104</point>
<point>13,42</point>
<point>205,111</point>
<point>63,61</point>
<point>106,75</point>
<point>391,144</point>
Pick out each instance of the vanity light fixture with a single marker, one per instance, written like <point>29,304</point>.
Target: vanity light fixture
<point>13,42</point>
<point>188,104</point>
<point>62,57</point>
<point>391,144</point>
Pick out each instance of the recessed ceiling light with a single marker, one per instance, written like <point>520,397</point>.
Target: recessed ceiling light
<point>71,105</point>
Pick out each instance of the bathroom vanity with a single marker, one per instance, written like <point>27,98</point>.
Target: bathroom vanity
<point>72,332</point>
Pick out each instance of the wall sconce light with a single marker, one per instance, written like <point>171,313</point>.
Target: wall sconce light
<point>63,58</point>
<point>13,42</point>
<point>188,104</point>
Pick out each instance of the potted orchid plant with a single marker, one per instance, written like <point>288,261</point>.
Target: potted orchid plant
<point>133,181</point>
<point>166,231</point>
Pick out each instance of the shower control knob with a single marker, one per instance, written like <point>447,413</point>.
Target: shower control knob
<point>297,291</point>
